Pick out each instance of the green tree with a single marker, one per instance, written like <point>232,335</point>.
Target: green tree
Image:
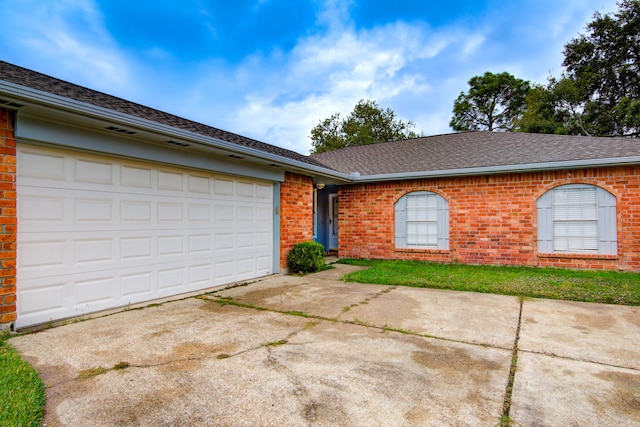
<point>554,108</point>
<point>368,123</point>
<point>494,102</point>
<point>541,114</point>
<point>600,88</point>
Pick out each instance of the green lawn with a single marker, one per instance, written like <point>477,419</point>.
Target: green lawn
<point>611,287</point>
<point>22,396</point>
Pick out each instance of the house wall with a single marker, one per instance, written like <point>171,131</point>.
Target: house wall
<point>492,219</point>
<point>8,230</point>
<point>296,213</point>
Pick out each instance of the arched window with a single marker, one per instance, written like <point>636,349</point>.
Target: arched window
<point>422,221</point>
<point>577,218</point>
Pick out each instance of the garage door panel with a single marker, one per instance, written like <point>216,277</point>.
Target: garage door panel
<point>245,213</point>
<point>94,290</point>
<point>97,250</point>
<point>43,254</point>
<point>264,240</point>
<point>138,249</point>
<point>135,176</point>
<point>263,263</point>
<point>42,302</point>
<point>199,213</point>
<point>94,172</point>
<point>246,189</point>
<point>200,274</point>
<point>106,250</point>
<point>224,241</point>
<point>170,279</point>
<point>224,270</point>
<point>199,184</point>
<point>128,177</point>
<point>264,192</point>
<point>223,187</point>
<point>171,245</point>
<point>88,209</point>
<point>35,165</point>
<point>94,210</point>
<point>171,181</point>
<point>200,244</point>
<point>41,207</point>
<point>136,284</point>
<point>136,211</point>
<point>171,212</point>
<point>97,232</point>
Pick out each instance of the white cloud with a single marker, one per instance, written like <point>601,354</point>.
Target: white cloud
<point>335,14</point>
<point>329,73</point>
<point>472,44</point>
<point>72,36</point>
<point>413,68</point>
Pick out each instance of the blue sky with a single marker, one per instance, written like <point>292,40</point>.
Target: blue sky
<point>272,69</point>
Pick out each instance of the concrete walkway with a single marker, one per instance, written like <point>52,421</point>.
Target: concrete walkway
<point>317,351</point>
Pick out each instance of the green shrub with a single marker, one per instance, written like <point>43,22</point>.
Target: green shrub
<point>306,257</point>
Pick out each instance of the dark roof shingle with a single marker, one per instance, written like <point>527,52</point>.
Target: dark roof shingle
<point>474,150</point>
<point>32,79</point>
<point>431,153</point>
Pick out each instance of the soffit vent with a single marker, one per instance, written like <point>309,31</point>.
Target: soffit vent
<point>120,130</point>
<point>273,165</point>
<point>10,103</point>
<point>235,156</point>
<point>179,144</point>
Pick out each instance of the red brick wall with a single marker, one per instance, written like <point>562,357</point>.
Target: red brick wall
<point>492,219</point>
<point>7,219</point>
<point>296,213</point>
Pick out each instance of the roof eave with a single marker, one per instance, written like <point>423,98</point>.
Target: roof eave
<point>27,95</point>
<point>492,170</point>
<point>30,96</point>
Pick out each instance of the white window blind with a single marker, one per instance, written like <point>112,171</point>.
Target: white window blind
<point>422,220</point>
<point>575,219</point>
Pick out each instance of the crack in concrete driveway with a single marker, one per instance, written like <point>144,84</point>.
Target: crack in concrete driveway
<point>286,351</point>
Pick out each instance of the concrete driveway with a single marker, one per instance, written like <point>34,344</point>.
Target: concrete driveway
<point>313,350</point>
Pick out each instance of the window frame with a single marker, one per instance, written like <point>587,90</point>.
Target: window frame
<point>550,218</point>
<point>402,220</point>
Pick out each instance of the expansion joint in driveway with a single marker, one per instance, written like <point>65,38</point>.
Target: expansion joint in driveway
<point>580,359</point>
<point>506,407</point>
<point>215,299</point>
<point>371,298</point>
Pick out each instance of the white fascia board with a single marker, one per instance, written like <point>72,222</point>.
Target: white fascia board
<point>491,170</point>
<point>28,95</point>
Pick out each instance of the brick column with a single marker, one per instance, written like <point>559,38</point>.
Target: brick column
<point>296,213</point>
<point>8,220</point>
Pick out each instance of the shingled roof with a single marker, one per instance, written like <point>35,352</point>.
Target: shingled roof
<point>449,152</point>
<point>34,80</point>
<point>474,150</point>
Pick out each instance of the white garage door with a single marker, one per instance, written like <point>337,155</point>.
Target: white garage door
<point>96,232</point>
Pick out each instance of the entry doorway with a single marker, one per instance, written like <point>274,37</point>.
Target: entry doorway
<point>333,222</point>
<point>325,217</point>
